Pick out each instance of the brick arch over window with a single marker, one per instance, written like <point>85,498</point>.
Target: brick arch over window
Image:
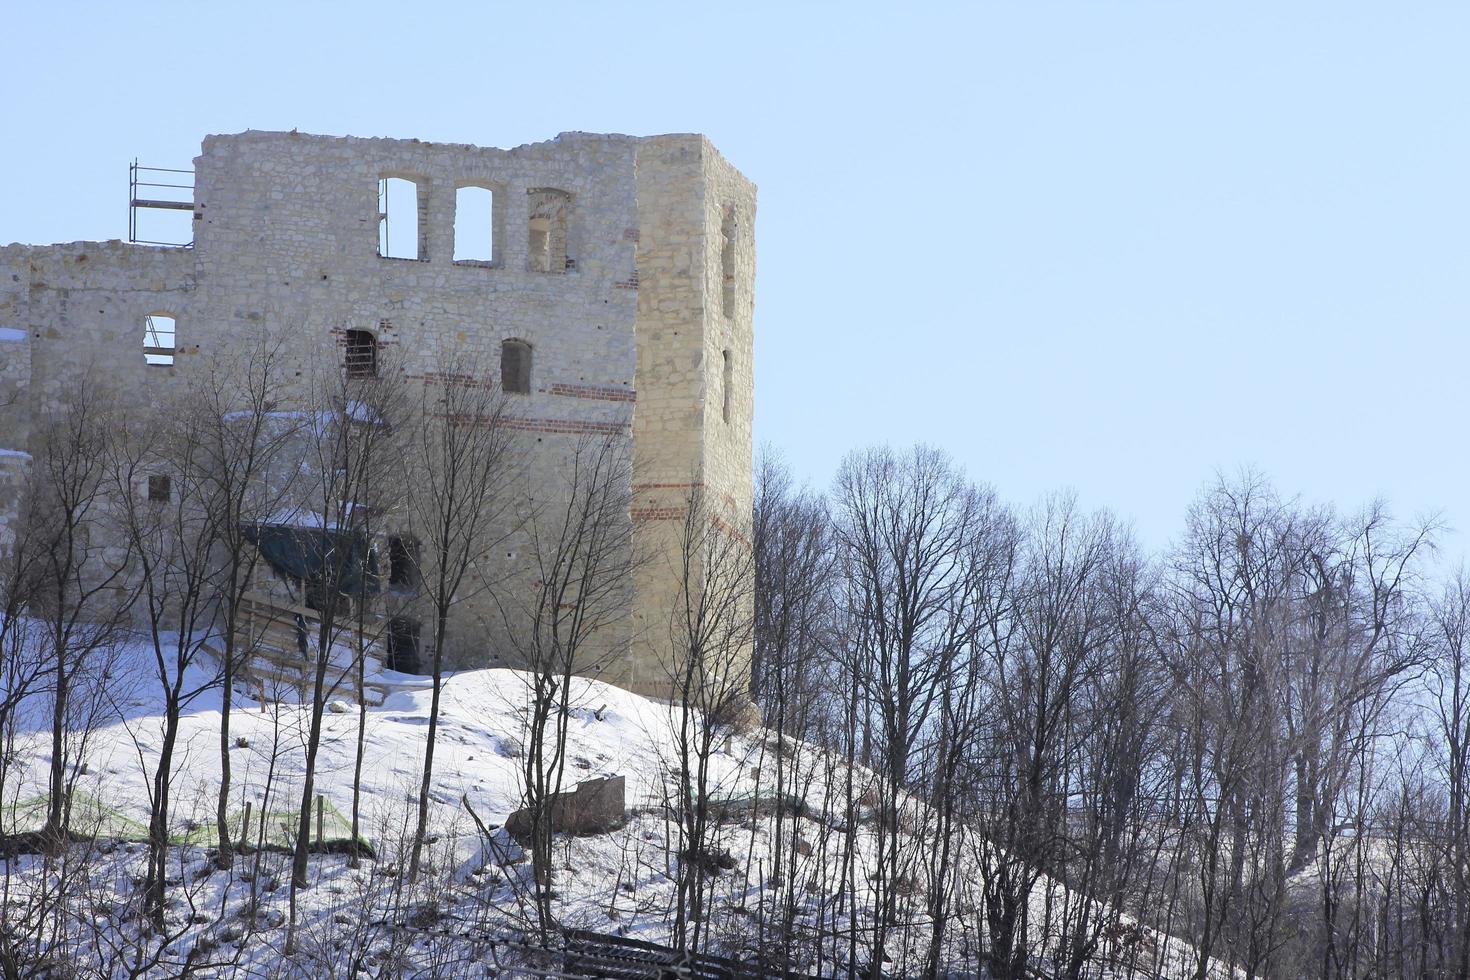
<point>160,339</point>
<point>361,355</point>
<point>515,367</point>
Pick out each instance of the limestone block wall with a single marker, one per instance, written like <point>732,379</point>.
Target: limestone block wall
<point>15,348</point>
<point>694,346</point>
<point>287,242</point>
<point>729,263</point>
<point>72,321</point>
<point>84,310</point>
<point>288,237</point>
<point>668,427</point>
<point>15,374</point>
<point>729,353</point>
<point>608,259</point>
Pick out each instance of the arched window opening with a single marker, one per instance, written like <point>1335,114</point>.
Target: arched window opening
<point>727,261</point>
<point>400,224</point>
<point>547,240</point>
<point>474,224</point>
<point>728,375</point>
<point>160,340</point>
<point>515,367</point>
<point>362,354</point>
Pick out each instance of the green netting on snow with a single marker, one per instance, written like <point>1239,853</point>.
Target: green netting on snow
<point>90,817</point>
<point>280,828</point>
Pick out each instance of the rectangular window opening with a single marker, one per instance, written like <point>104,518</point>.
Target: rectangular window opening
<point>546,241</point>
<point>515,367</point>
<point>474,224</point>
<point>160,488</point>
<point>402,561</point>
<point>403,645</point>
<point>398,219</point>
<point>361,357</point>
<point>159,339</point>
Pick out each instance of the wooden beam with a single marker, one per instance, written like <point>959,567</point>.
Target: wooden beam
<point>139,202</point>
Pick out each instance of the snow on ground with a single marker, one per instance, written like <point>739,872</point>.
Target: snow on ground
<point>621,881</point>
<point>477,754</point>
<point>607,882</point>
<point>11,334</point>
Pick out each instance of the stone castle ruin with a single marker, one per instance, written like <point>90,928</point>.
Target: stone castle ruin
<point>605,279</point>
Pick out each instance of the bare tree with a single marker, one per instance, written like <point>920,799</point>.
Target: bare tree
<point>82,593</point>
<point>792,672</point>
<point>160,476</point>
<point>904,525</point>
<point>1449,689</point>
<point>1237,572</point>
<point>21,663</point>
<point>1036,672</point>
<point>459,459</point>
<point>965,714</point>
<point>245,440</point>
<point>708,662</point>
<point>581,546</point>
<point>348,455</point>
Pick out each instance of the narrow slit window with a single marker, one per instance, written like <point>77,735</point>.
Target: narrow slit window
<point>728,375</point>
<point>159,339</point>
<point>398,219</point>
<point>727,262</point>
<point>361,357</point>
<point>474,224</point>
<point>515,367</point>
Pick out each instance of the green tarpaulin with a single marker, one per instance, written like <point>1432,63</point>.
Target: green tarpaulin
<point>320,557</point>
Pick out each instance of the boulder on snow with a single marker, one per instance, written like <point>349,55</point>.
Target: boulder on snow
<point>594,807</point>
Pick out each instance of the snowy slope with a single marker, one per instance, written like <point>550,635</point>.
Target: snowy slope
<point>475,887</point>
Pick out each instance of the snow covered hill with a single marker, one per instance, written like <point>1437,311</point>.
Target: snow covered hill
<point>371,920</point>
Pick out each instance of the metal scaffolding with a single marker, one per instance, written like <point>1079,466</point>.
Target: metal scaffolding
<point>162,186</point>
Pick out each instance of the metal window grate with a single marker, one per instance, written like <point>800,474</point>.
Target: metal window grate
<point>362,354</point>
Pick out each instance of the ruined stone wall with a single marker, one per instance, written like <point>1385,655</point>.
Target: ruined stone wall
<point>82,306</point>
<point>288,242</point>
<point>601,262</point>
<point>78,310</point>
<point>15,376</point>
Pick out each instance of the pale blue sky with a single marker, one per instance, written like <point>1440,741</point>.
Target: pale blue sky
<point>1105,246</point>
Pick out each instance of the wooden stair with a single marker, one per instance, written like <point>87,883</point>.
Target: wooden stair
<point>271,631</point>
